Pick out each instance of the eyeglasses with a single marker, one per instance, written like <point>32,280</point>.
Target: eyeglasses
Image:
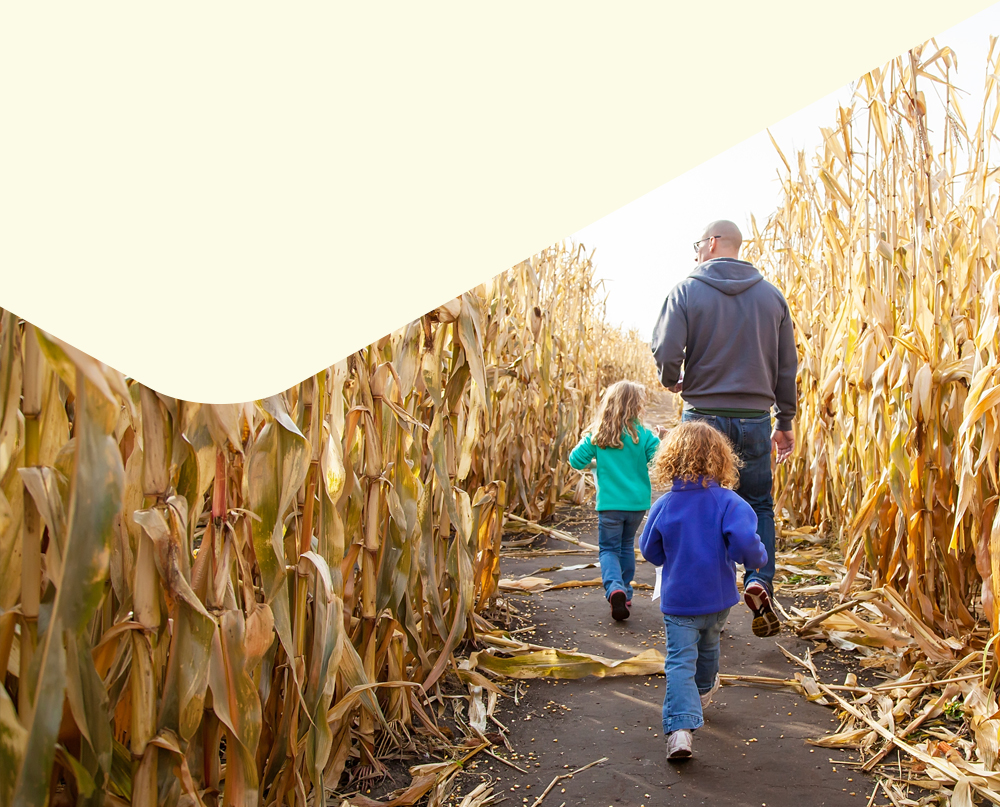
<point>703,240</point>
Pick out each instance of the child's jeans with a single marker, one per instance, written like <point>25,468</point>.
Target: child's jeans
<point>691,666</point>
<point>616,531</point>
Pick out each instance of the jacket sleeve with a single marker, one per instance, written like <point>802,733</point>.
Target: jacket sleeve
<point>651,541</point>
<point>739,529</point>
<point>581,456</point>
<point>670,338</point>
<point>652,443</point>
<point>784,388</point>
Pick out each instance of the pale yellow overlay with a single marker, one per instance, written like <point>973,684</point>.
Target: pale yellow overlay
<point>219,199</point>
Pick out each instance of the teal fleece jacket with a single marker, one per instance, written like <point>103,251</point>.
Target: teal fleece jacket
<point>622,474</point>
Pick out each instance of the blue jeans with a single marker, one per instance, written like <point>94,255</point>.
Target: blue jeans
<point>616,531</point>
<point>691,666</point>
<point>751,437</point>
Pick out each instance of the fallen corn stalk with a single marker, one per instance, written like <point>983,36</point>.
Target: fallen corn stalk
<point>562,776</point>
<point>948,769</point>
<point>536,585</point>
<point>932,709</point>
<point>558,534</point>
<point>425,778</point>
<point>551,662</point>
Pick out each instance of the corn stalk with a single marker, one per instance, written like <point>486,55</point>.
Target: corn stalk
<point>886,248</point>
<point>246,604</point>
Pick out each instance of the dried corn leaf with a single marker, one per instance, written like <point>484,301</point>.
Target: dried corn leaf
<point>555,663</point>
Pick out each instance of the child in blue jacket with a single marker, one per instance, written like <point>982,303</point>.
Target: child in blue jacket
<point>695,531</point>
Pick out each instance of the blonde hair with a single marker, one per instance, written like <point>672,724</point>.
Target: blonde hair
<point>620,409</point>
<point>692,450</point>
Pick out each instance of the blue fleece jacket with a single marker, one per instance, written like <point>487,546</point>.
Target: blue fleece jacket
<point>696,533</point>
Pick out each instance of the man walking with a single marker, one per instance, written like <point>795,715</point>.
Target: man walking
<point>732,331</point>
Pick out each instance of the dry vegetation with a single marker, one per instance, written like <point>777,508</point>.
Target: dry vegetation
<point>886,248</point>
<point>887,254</point>
<point>260,603</point>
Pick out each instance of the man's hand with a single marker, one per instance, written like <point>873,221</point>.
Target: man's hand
<point>783,444</point>
<point>677,387</point>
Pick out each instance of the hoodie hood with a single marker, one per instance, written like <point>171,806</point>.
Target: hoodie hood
<point>729,275</point>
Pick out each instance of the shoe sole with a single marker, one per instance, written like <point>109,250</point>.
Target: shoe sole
<point>680,753</point>
<point>619,611</point>
<point>765,621</point>
<point>766,624</point>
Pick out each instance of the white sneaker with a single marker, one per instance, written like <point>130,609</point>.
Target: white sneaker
<point>706,699</point>
<point>679,744</point>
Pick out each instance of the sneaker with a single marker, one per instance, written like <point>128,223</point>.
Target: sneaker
<point>765,621</point>
<point>706,699</point>
<point>619,610</point>
<point>679,744</point>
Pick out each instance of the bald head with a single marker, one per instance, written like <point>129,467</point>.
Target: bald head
<point>728,239</point>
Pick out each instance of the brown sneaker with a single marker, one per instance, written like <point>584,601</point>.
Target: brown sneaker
<point>765,621</point>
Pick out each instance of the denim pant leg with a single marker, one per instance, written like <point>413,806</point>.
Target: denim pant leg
<point>708,652</point>
<point>681,703</point>
<point>610,526</point>
<point>626,551</point>
<point>755,488</point>
<point>751,437</point>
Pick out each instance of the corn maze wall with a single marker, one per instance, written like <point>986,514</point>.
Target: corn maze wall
<point>284,581</point>
<point>886,248</point>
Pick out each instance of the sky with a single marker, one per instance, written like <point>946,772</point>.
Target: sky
<point>644,249</point>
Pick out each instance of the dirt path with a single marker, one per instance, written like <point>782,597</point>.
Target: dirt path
<point>751,751</point>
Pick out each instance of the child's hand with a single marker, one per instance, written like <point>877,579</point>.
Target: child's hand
<point>660,431</point>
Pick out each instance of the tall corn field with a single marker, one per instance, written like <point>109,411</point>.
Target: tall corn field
<point>886,248</point>
<point>250,604</point>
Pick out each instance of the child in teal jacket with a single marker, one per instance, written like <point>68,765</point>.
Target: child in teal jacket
<point>623,449</point>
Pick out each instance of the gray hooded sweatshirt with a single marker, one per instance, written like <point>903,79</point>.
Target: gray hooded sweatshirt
<point>732,331</point>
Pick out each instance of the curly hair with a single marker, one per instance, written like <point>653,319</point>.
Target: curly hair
<point>620,409</point>
<point>692,450</point>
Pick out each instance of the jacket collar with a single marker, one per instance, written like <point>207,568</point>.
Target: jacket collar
<point>684,484</point>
